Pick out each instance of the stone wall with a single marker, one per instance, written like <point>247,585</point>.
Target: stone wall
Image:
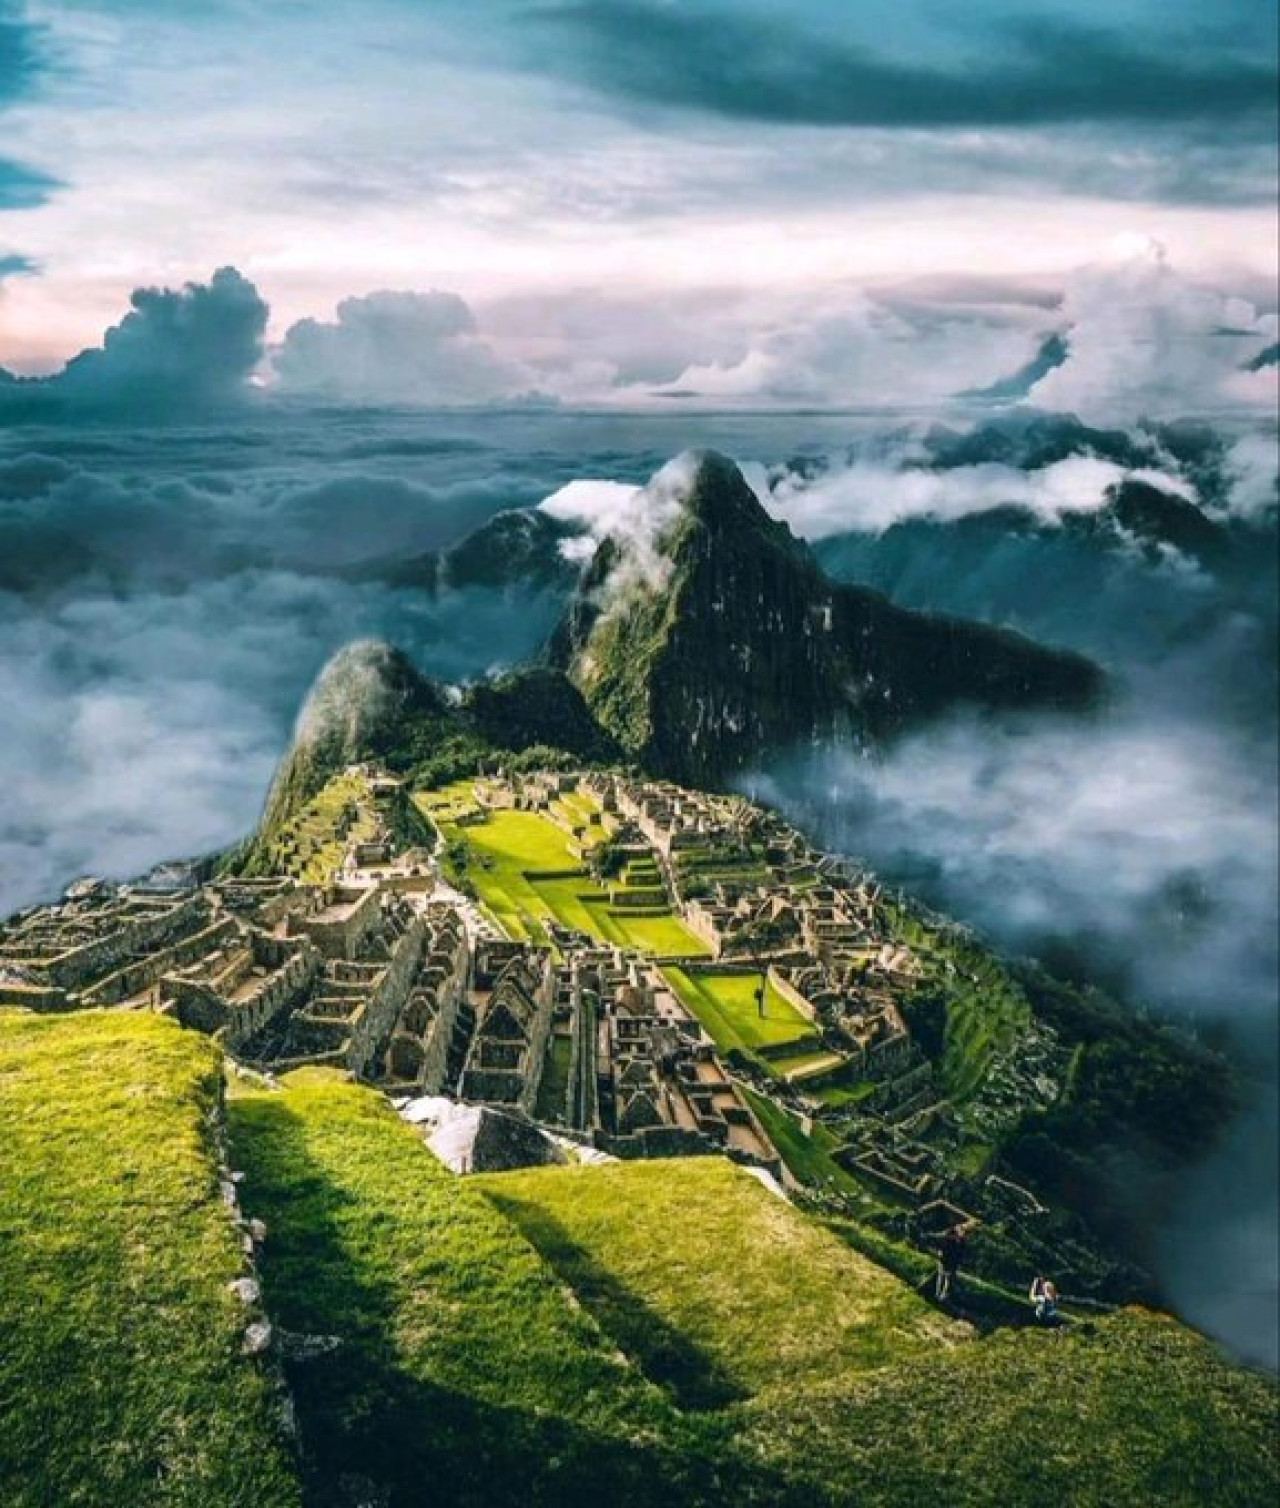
<point>128,936</point>
<point>140,973</point>
<point>373,1025</point>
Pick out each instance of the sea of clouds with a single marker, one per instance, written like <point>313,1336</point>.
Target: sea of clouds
<point>168,591</point>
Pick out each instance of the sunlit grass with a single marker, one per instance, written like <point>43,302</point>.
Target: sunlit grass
<point>121,1378</point>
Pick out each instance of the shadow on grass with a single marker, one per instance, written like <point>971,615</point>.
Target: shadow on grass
<point>667,1357</point>
<point>372,1432</point>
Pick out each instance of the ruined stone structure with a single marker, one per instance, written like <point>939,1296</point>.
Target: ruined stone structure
<point>385,972</point>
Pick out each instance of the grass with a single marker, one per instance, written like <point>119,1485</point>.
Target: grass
<point>526,873</point>
<point>1131,1411</point>
<point>761,1297</point>
<point>852,1390</point>
<point>838,1096</point>
<point>726,1005</point>
<point>808,1158</point>
<point>464,1369</point>
<point>121,1378</point>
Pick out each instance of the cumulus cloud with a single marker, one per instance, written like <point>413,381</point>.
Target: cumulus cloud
<point>865,352</point>
<point>1144,339</point>
<point>177,351</point>
<point>399,347</point>
<point>874,493</point>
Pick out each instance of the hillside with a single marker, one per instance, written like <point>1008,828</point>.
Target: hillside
<point>121,1373</point>
<point>853,1391</point>
<point>457,1355</point>
<point>643,1333</point>
<point>371,703</point>
<point>673,1332</point>
<point>717,639</point>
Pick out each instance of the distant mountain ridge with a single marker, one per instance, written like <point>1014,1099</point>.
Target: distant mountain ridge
<point>712,643</point>
<point>734,644</point>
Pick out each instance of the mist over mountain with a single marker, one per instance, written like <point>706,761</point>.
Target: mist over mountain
<point>708,634</point>
<point>168,595</point>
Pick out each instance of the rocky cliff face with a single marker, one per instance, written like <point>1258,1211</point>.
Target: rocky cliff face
<point>717,638</point>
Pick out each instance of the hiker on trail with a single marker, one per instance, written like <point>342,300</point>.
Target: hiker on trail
<point>1044,1295</point>
<point>951,1253</point>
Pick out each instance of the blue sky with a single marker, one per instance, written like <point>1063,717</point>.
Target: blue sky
<point>526,153</point>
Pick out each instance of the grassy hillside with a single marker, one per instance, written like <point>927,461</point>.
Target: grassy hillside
<point>121,1378</point>
<point>643,1334</point>
<point>845,1386</point>
<point>463,1372</point>
<point>716,1284</point>
<point>1131,1412</point>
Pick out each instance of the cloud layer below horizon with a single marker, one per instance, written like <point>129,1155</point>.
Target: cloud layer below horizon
<point>1132,338</point>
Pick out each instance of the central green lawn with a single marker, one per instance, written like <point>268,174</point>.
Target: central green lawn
<point>121,1378</point>
<point>726,1005</point>
<point>526,873</point>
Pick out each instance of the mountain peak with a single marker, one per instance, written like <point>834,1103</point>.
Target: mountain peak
<point>367,688</point>
<point>710,487</point>
<point>708,642</point>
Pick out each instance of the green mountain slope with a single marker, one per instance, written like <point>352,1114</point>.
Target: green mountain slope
<point>463,1370</point>
<point>671,1332</point>
<point>757,1295</point>
<point>121,1374</point>
<point>716,639</point>
<point>371,703</point>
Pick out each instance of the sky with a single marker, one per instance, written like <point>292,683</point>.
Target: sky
<point>629,197</point>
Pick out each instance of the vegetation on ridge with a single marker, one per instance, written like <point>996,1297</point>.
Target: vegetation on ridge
<point>121,1374</point>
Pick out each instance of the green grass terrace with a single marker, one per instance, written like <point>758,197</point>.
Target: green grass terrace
<point>121,1373</point>
<point>527,871</point>
<point>727,1004</point>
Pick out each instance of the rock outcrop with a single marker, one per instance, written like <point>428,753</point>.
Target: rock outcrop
<point>716,639</point>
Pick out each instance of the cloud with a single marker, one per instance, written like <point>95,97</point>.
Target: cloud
<point>738,63</point>
<point>22,64</point>
<point>874,493</point>
<point>633,518</point>
<point>864,352</point>
<point>398,347</point>
<point>14,264</point>
<point>144,725</point>
<point>175,352</point>
<point>68,527</point>
<point>1145,340</point>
